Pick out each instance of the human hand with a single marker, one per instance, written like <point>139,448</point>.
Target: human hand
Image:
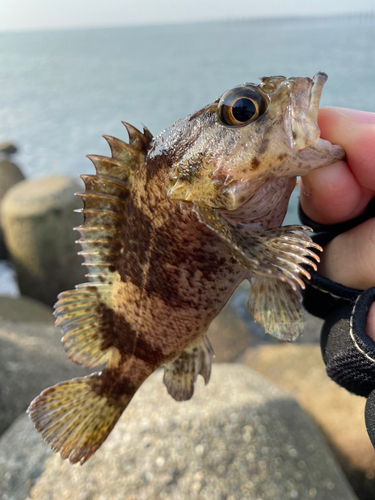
<point>340,192</point>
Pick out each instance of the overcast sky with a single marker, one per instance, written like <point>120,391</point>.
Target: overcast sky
<point>19,15</point>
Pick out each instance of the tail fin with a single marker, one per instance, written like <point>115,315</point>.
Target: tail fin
<point>75,418</point>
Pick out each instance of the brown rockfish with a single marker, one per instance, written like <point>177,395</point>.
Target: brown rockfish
<point>172,225</point>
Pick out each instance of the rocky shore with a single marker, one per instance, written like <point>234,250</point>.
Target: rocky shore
<point>248,434</point>
<point>269,425</point>
<point>10,174</point>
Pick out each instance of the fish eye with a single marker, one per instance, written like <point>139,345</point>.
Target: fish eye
<point>240,106</point>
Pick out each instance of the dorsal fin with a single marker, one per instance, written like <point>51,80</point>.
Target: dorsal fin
<point>104,202</point>
<point>120,150</point>
<point>137,140</point>
<point>84,313</point>
<point>119,166</point>
<point>147,134</point>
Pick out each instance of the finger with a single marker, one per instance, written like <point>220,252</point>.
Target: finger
<point>355,132</point>
<point>332,194</point>
<point>341,191</point>
<point>349,258</point>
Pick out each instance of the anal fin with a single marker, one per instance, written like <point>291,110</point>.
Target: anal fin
<point>276,307</point>
<point>181,373</point>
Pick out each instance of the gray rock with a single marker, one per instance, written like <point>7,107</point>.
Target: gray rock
<point>22,458</point>
<point>10,174</point>
<point>229,336</point>
<point>31,359</point>
<point>7,148</point>
<point>38,218</point>
<point>25,310</point>
<point>238,438</point>
<point>300,370</point>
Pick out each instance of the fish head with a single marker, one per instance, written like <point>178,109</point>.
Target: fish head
<point>222,154</point>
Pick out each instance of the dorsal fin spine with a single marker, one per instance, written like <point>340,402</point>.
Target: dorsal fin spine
<point>120,150</point>
<point>94,217</point>
<point>100,196</point>
<point>107,202</point>
<point>147,134</point>
<point>97,249</point>
<point>136,139</point>
<point>99,255</point>
<point>83,286</point>
<point>94,181</point>
<point>99,264</point>
<point>96,228</point>
<point>87,244</point>
<point>99,212</point>
<point>107,160</point>
<point>97,259</point>
<point>116,167</point>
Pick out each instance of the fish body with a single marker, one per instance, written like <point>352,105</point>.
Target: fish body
<point>172,225</point>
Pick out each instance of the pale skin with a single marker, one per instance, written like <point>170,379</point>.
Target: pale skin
<point>340,192</point>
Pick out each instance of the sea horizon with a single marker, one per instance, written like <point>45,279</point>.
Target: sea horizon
<point>363,16</point>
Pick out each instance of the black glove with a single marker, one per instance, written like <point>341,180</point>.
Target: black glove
<point>349,354</point>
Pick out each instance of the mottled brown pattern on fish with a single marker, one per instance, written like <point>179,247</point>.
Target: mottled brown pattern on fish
<point>168,254</point>
<point>136,236</point>
<point>172,225</point>
<point>113,385</point>
<point>117,332</point>
<point>149,351</point>
<point>255,163</point>
<point>184,286</point>
<point>117,384</point>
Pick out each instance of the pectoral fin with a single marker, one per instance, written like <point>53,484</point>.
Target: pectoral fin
<point>274,253</point>
<point>181,373</point>
<point>276,307</point>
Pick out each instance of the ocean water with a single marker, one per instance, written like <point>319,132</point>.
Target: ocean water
<point>61,90</point>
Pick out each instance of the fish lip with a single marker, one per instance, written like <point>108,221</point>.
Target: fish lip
<point>319,79</point>
<point>316,152</point>
<point>323,148</point>
<point>304,108</point>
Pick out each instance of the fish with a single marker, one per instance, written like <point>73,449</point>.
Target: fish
<point>172,225</point>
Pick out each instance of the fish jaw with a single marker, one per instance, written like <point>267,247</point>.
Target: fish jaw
<point>304,106</point>
<point>320,154</point>
<point>301,120</point>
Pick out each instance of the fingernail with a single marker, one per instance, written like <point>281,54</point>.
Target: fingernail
<point>356,115</point>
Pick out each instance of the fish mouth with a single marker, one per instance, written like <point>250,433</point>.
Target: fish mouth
<point>304,107</point>
<point>312,152</point>
<point>319,79</point>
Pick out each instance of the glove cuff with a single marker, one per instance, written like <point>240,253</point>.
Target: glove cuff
<point>348,352</point>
